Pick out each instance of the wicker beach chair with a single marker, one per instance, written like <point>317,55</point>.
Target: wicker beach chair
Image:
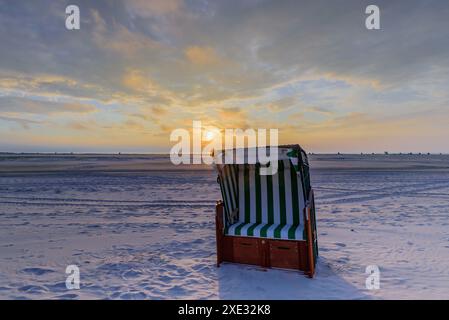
<point>267,220</point>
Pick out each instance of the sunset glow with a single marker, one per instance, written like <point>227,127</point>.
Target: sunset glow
<point>136,70</point>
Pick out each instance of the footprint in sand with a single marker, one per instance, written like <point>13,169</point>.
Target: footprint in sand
<point>68,296</point>
<point>32,289</point>
<point>37,271</point>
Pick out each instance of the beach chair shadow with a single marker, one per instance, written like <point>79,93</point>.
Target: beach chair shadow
<point>254,282</point>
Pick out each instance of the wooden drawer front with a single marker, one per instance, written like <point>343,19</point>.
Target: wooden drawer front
<point>246,250</point>
<point>284,254</point>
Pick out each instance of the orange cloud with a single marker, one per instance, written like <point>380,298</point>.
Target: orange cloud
<point>137,81</point>
<point>45,107</point>
<point>202,55</point>
<point>159,111</point>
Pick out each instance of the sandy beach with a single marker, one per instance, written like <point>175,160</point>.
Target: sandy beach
<point>139,227</point>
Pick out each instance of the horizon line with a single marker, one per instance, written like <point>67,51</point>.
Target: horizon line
<point>167,153</point>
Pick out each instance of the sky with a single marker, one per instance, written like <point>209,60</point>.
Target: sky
<point>138,69</point>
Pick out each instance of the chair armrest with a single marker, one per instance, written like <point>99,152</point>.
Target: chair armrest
<point>219,230</point>
<point>310,232</point>
<point>219,212</point>
<point>310,199</point>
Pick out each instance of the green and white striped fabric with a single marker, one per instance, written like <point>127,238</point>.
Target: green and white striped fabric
<point>269,206</point>
<point>227,175</point>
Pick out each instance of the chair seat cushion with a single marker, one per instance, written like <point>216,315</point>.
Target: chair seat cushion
<point>266,230</point>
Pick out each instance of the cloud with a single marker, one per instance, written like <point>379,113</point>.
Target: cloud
<point>320,110</point>
<point>25,105</point>
<point>282,104</point>
<point>137,81</point>
<point>202,55</point>
<point>50,86</point>
<point>230,112</point>
<point>80,126</point>
<point>308,67</point>
<point>75,107</point>
<point>118,38</point>
<point>158,111</point>
<point>151,8</point>
<point>23,122</point>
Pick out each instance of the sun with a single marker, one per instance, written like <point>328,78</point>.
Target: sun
<point>209,135</point>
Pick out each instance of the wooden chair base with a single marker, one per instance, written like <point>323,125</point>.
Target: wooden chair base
<point>268,253</point>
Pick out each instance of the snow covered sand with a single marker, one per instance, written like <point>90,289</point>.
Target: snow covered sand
<point>138,228</point>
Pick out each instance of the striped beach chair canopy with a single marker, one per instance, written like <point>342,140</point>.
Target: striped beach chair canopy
<point>267,206</point>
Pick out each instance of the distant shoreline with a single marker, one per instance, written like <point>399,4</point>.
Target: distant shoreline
<point>168,154</point>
